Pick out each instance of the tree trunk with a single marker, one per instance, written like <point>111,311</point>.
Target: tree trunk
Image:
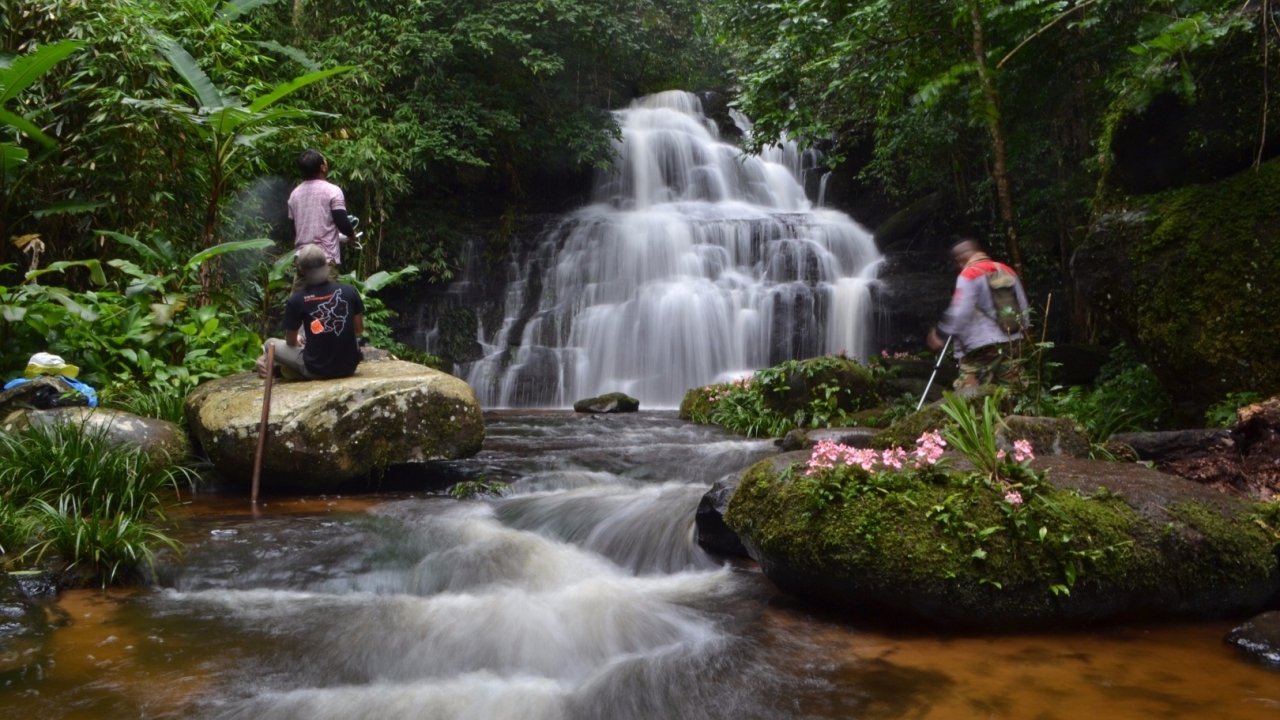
<point>1001,170</point>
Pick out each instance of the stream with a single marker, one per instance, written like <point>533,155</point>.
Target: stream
<point>580,595</point>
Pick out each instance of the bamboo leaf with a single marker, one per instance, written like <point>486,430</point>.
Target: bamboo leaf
<point>292,53</point>
<point>233,10</point>
<point>69,207</point>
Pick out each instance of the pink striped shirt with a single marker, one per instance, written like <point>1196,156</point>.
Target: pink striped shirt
<point>311,207</point>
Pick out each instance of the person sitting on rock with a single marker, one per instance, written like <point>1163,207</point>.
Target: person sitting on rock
<point>986,319</point>
<point>331,318</point>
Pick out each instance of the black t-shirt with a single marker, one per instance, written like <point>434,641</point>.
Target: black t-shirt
<point>326,313</point>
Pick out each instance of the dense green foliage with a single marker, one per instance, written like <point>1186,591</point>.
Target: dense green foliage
<point>820,392</point>
<point>69,492</point>
<point>1083,92</point>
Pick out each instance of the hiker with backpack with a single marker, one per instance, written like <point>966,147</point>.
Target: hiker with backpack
<point>986,320</point>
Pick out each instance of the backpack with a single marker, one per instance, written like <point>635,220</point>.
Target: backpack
<point>1006,313</point>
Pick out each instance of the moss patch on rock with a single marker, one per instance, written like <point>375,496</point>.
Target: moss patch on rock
<point>696,405</point>
<point>1187,276</point>
<point>939,547</point>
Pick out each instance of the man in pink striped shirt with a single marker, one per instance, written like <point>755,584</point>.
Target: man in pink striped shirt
<point>319,213</point>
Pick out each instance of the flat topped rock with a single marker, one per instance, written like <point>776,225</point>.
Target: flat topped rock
<point>322,433</point>
<point>608,403</point>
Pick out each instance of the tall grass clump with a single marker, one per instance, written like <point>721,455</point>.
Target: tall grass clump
<point>67,490</point>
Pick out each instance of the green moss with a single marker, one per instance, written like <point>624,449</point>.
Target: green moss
<point>1200,288</point>
<point>1241,550</point>
<point>904,432</point>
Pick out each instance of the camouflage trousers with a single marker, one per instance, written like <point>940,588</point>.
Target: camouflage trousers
<point>991,365</point>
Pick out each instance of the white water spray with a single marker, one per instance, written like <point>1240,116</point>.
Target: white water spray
<point>696,262</point>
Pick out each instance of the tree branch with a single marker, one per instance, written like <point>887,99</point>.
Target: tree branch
<point>1041,31</point>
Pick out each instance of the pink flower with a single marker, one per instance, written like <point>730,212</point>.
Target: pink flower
<point>894,458</point>
<point>929,449</point>
<point>1022,451</point>
<point>1013,497</point>
<point>1000,455</point>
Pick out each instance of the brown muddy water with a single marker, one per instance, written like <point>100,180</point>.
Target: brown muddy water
<point>580,595</point>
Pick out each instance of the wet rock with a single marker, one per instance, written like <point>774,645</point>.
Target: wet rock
<point>326,432</point>
<point>1165,548</point>
<point>1259,638</point>
<point>21,615</point>
<point>163,441</point>
<point>608,403</point>
<point>1048,436</point>
<point>713,534</point>
<point>856,437</point>
<point>1172,445</point>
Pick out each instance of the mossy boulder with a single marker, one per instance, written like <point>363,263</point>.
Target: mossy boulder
<point>854,387</point>
<point>1120,542</point>
<point>696,405</point>
<point>1187,277</point>
<point>323,433</point>
<point>608,403</point>
<point>1047,435</point>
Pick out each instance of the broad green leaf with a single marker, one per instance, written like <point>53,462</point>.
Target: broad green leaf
<point>224,248</point>
<point>284,89</point>
<point>11,156</point>
<point>69,207</point>
<point>134,243</point>
<point>93,266</point>
<point>13,313</point>
<point>191,73</point>
<point>25,126</point>
<point>28,68</point>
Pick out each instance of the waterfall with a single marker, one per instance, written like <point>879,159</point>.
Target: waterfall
<point>695,262</point>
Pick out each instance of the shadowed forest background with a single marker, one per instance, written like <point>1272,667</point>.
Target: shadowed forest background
<point>1117,152</point>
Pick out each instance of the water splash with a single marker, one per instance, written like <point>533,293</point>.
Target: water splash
<point>695,262</point>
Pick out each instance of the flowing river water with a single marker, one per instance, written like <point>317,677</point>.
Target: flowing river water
<point>580,595</point>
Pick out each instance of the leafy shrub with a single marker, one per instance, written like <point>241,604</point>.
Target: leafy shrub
<point>1127,396</point>
<point>819,392</point>
<point>69,490</point>
<point>1226,413</point>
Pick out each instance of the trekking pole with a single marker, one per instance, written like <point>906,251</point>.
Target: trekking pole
<point>942,355</point>
<point>262,427</point>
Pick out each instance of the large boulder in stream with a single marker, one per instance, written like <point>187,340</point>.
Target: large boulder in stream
<point>322,433</point>
<point>1094,542</point>
<point>163,442</point>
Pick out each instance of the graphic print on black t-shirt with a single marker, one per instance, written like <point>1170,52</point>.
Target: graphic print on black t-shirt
<point>325,313</point>
<point>330,315</point>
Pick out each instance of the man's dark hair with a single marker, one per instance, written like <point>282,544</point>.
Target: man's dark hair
<point>977,245</point>
<point>310,163</point>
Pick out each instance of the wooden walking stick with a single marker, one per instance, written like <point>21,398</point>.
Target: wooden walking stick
<point>262,427</point>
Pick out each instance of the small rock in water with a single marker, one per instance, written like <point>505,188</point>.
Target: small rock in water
<point>609,403</point>
<point>1259,638</point>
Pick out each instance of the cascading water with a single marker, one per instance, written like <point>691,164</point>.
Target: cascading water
<point>696,263</point>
